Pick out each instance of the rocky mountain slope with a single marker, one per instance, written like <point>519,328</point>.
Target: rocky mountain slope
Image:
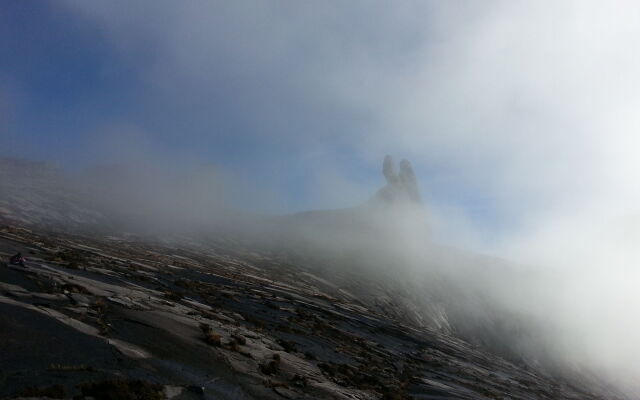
<point>88,316</point>
<point>325,305</point>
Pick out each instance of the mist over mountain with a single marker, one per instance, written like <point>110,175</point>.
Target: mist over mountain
<point>379,255</point>
<point>196,202</point>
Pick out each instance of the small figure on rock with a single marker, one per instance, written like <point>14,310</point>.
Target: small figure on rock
<point>17,260</point>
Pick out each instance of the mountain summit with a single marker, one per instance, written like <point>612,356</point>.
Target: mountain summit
<point>401,187</point>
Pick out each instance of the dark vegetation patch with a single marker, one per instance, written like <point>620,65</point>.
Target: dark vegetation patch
<point>299,381</point>
<point>69,258</point>
<point>101,308</point>
<point>233,345</point>
<point>70,367</point>
<point>73,288</point>
<point>187,284</point>
<point>275,384</point>
<point>173,296</point>
<point>239,338</point>
<point>271,367</point>
<point>53,392</point>
<point>271,305</point>
<point>287,345</point>
<point>121,389</point>
<point>392,384</point>
<point>251,319</point>
<point>209,336</point>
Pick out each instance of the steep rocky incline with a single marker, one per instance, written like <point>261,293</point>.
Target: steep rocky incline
<point>38,194</point>
<point>89,315</point>
<point>322,304</point>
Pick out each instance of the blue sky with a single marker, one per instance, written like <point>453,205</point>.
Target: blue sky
<point>61,82</point>
<point>66,87</point>
<point>67,84</point>
<point>509,111</point>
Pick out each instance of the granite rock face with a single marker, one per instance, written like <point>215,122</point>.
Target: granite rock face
<point>324,304</point>
<point>401,187</point>
<point>88,317</point>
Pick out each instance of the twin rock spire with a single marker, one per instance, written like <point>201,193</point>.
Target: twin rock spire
<point>402,186</point>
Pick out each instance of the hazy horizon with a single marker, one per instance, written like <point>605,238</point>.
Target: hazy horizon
<point>519,119</point>
<point>511,112</point>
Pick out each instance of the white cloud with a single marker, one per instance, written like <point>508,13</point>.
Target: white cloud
<point>532,104</point>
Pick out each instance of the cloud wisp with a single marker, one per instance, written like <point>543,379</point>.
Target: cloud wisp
<point>520,119</point>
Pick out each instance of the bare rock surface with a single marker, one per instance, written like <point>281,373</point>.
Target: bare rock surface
<point>187,322</point>
<point>315,305</point>
<point>401,187</point>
